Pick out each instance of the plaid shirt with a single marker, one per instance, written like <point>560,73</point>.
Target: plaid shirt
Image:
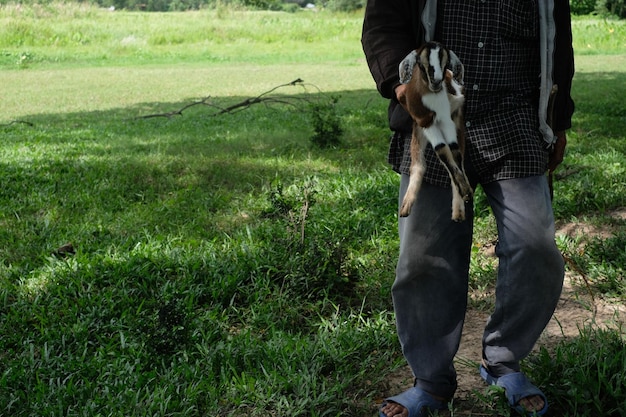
<point>497,42</point>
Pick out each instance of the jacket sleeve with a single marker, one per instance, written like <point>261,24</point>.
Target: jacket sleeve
<point>388,36</point>
<point>563,66</point>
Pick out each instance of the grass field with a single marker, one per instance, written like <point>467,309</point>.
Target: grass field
<point>222,264</point>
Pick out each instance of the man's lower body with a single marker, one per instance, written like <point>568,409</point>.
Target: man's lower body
<point>430,290</point>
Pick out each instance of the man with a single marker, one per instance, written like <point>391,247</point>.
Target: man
<point>514,52</point>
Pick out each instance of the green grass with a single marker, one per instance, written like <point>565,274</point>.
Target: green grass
<point>594,36</point>
<point>78,34</point>
<point>187,295</point>
<point>584,376</point>
<point>224,265</point>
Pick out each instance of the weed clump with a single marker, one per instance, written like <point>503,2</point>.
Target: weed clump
<point>584,376</point>
<point>314,264</point>
<point>326,123</point>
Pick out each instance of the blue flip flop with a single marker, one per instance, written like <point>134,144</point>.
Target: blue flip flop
<point>417,402</point>
<point>516,386</point>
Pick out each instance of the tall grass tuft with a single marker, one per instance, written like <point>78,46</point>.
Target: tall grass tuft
<point>584,376</point>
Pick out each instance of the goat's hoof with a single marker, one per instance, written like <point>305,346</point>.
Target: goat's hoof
<point>467,193</point>
<point>465,190</point>
<point>405,209</point>
<point>458,217</point>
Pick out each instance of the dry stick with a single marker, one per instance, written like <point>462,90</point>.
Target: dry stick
<point>250,101</point>
<point>303,214</point>
<point>176,112</point>
<point>13,122</point>
<point>261,98</point>
<point>569,261</point>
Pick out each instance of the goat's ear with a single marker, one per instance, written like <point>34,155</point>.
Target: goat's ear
<point>457,67</point>
<point>406,67</point>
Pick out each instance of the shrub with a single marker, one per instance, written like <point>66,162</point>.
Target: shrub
<point>580,7</point>
<point>345,5</point>
<point>615,7</point>
<point>583,7</point>
<point>326,123</point>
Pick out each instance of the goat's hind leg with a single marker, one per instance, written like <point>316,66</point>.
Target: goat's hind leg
<point>458,204</point>
<point>458,153</point>
<point>457,173</point>
<point>418,167</point>
<point>461,189</point>
<point>452,154</point>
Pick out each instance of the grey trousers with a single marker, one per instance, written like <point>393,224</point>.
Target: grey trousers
<point>430,289</point>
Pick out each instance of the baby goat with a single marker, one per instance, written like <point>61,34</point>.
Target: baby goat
<point>434,99</point>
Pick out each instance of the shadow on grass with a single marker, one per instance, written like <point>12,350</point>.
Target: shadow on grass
<point>177,258</point>
<point>108,173</point>
<point>592,177</point>
<point>179,272</point>
<point>108,178</point>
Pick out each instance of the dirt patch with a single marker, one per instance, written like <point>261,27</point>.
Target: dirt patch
<point>579,228</point>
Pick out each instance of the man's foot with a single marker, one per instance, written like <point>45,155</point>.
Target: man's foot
<point>521,394</point>
<point>392,409</point>
<point>414,402</point>
<point>532,404</point>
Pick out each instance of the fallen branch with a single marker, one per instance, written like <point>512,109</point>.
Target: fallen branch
<point>179,112</point>
<point>569,261</point>
<point>261,98</point>
<point>14,122</point>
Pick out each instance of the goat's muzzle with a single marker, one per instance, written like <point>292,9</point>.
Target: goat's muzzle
<point>435,86</point>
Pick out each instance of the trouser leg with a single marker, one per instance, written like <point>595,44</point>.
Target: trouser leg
<point>430,290</point>
<point>530,271</point>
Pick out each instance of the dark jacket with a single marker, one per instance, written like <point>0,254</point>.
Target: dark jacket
<point>392,28</point>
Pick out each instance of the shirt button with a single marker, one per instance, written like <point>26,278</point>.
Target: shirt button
<point>468,123</point>
<point>480,44</point>
<point>475,87</point>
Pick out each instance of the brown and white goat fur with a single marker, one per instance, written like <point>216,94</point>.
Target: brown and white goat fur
<point>434,99</point>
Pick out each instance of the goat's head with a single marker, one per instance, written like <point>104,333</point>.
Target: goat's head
<point>432,59</point>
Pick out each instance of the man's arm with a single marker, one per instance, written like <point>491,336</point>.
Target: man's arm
<point>388,36</point>
<point>563,75</point>
<point>563,67</point>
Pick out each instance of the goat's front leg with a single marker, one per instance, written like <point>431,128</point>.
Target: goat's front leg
<point>450,152</point>
<point>418,167</point>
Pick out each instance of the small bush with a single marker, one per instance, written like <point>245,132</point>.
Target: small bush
<point>345,5</point>
<point>313,263</point>
<point>615,7</point>
<point>581,7</point>
<point>290,7</point>
<point>612,7</point>
<point>326,123</point>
